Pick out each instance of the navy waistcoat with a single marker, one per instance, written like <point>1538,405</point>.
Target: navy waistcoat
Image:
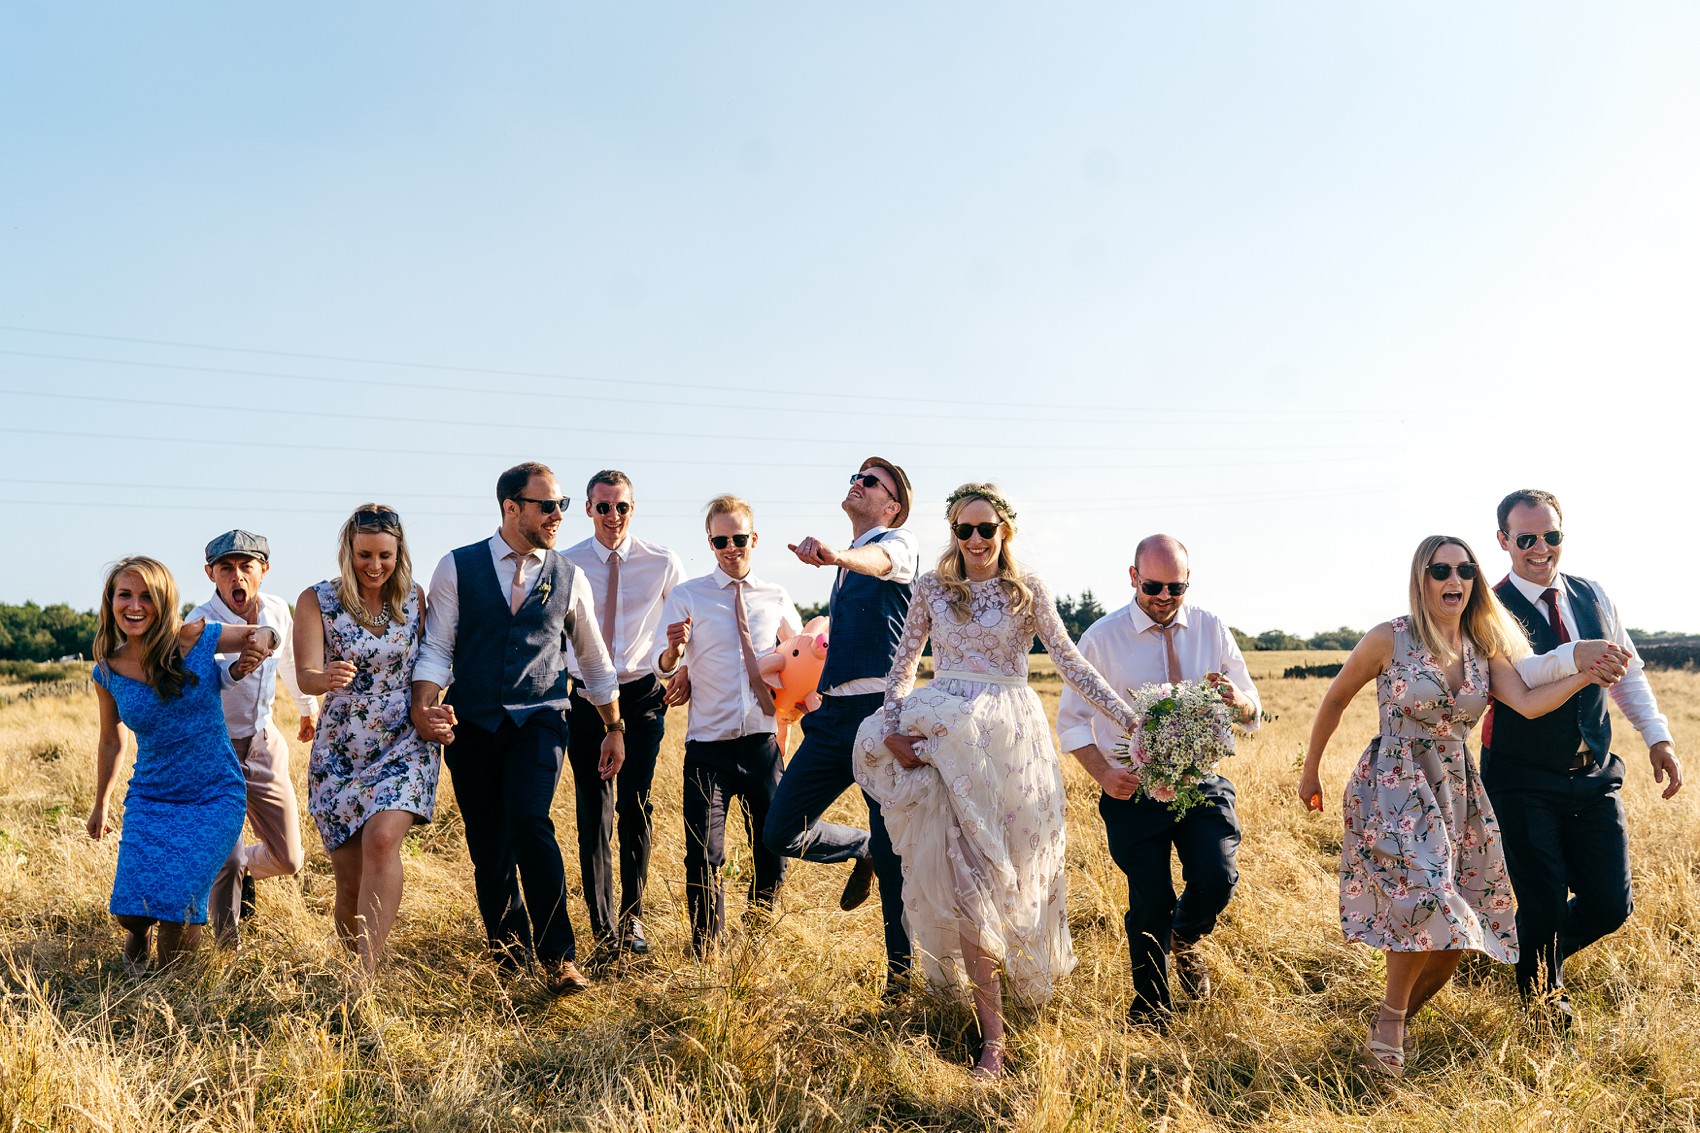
<point>1554,739</point>
<point>867,621</point>
<point>508,664</point>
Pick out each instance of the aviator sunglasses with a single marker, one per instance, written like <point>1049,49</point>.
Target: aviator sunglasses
<point>604,507</point>
<point>547,507</point>
<point>1152,589</point>
<point>965,530</point>
<point>1529,538</point>
<point>741,539</point>
<point>1440,572</point>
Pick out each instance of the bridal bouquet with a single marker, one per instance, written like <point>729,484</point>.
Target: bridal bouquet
<point>1183,734</point>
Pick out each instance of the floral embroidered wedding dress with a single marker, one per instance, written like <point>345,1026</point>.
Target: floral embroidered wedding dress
<point>980,827</point>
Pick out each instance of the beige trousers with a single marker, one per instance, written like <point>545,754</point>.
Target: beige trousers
<point>272,815</point>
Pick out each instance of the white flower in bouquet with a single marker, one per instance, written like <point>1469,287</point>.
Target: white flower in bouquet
<point>1184,732</point>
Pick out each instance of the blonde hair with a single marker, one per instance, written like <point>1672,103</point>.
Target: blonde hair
<point>161,657</point>
<point>1485,620</point>
<point>373,519</point>
<point>727,504</point>
<point>953,571</point>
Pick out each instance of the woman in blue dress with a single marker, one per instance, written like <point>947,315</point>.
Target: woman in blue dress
<point>184,807</point>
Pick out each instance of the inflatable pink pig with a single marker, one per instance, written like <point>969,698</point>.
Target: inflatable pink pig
<point>792,671</point>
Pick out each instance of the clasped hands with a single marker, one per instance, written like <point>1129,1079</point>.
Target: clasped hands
<point>434,722</point>
<point>262,642</point>
<point>1604,662</point>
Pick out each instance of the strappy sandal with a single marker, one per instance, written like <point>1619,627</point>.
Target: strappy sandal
<point>1384,1058</point>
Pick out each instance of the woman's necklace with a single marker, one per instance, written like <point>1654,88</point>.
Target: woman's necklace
<point>376,620</point>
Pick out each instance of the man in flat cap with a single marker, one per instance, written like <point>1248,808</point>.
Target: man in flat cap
<point>237,561</point>
<point>874,581</point>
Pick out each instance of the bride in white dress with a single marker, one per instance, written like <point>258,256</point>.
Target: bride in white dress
<point>967,776</point>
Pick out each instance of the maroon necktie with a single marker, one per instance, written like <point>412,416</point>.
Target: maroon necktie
<point>1550,596</point>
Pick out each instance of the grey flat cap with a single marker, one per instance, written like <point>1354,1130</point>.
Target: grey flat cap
<point>239,542</point>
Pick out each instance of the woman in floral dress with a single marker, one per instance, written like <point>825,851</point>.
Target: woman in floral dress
<point>967,776</point>
<point>371,776</point>
<point>1422,871</point>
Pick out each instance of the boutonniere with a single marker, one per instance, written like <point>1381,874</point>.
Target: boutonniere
<point>543,588</point>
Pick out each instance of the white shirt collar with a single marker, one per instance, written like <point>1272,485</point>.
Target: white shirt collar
<point>723,580</point>
<point>1142,621</point>
<point>603,551</point>
<point>869,536</point>
<point>499,546</point>
<point>1532,590</point>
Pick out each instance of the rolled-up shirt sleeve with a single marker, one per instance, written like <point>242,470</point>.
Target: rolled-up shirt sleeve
<point>442,620</point>
<point>601,681</point>
<point>1233,666</point>
<point>899,547</point>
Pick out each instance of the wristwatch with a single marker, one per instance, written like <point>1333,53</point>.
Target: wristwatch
<point>616,726</point>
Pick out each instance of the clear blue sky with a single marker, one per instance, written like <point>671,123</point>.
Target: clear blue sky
<point>1298,283</point>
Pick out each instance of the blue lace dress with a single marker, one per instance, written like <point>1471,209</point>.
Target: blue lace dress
<point>184,807</point>
<point>367,755</point>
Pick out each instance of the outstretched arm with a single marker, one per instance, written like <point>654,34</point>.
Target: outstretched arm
<point>1509,689</point>
<point>1373,654</point>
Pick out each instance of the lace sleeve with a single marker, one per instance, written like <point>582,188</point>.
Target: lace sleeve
<point>1074,668</point>
<point>916,628</point>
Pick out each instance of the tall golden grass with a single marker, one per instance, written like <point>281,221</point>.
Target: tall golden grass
<point>786,1031</point>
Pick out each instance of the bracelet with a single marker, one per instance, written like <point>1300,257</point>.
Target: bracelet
<point>616,726</point>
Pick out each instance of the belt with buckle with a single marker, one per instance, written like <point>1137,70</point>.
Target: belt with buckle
<point>1581,761</point>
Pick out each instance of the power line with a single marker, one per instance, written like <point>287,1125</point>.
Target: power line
<point>954,404</point>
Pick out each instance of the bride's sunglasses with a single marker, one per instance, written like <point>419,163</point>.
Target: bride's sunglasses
<point>966,530</point>
<point>1440,572</point>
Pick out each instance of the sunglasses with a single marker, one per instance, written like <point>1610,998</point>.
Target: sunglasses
<point>1152,589</point>
<point>547,507</point>
<point>376,517</point>
<point>741,539</point>
<point>1440,572</point>
<point>868,480</point>
<point>986,530</point>
<point>604,507</point>
<point>1529,539</point>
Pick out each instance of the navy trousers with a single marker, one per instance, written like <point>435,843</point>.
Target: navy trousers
<point>598,800</point>
<point>716,771</point>
<point>504,783</point>
<point>816,776</point>
<point>1141,833</point>
<point>1567,851</point>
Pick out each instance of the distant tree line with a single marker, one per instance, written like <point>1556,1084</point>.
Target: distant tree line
<point>45,633</point>
<point>1343,638</point>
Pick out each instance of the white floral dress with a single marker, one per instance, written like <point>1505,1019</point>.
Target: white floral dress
<point>367,755</point>
<point>1421,865</point>
<point>980,827</point>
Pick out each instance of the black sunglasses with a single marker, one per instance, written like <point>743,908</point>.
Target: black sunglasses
<point>376,517</point>
<point>1527,539</point>
<point>604,507</point>
<point>741,539</point>
<point>868,480</point>
<point>1175,589</point>
<point>1440,572</point>
<point>986,530</point>
<point>547,507</point>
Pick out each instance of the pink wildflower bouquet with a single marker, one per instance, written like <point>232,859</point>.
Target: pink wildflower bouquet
<point>1183,734</point>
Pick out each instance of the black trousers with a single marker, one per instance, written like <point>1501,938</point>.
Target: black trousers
<point>715,772</point>
<point>597,800</point>
<point>1141,832</point>
<point>505,782</point>
<point>817,775</point>
<point>1563,834</point>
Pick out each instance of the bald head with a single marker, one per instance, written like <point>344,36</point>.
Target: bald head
<point>1160,561</point>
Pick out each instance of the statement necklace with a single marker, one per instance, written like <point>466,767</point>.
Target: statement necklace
<point>376,620</point>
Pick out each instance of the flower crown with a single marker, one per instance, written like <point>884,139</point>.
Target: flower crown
<point>969,491</point>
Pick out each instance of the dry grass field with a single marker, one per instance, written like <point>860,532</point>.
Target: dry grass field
<point>788,1031</point>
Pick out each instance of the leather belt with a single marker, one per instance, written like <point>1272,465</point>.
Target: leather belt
<point>1581,761</point>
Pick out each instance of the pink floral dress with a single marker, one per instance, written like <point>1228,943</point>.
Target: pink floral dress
<point>1421,866</point>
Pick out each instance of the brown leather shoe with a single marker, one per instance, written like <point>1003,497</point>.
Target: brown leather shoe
<point>1190,971</point>
<point>861,881</point>
<point>564,978</point>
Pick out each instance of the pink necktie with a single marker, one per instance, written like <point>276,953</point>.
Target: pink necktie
<point>611,604</point>
<point>517,598</point>
<point>1168,633</point>
<point>764,695</point>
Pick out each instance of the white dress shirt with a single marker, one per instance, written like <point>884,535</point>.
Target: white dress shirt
<point>648,573</point>
<point>1126,648</point>
<point>442,620</point>
<point>723,705</point>
<point>248,702</point>
<point>1632,694</point>
<point>905,556</point>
